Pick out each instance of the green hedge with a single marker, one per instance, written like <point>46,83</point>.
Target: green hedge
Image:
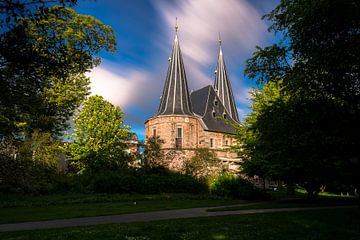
<point>143,181</point>
<point>227,185</point>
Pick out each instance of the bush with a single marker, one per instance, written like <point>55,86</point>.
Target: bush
<point>143,181</point>
<point>227,185</point>
<point>170,183</point>
<point>25,176</point>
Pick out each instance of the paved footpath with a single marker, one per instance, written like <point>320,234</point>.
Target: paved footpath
<point>144,217</point>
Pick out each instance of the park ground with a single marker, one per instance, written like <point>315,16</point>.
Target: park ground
<point>332,223</point>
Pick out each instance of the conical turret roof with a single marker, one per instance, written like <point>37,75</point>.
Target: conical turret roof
<point>223,88</point>
<point>175,97</point>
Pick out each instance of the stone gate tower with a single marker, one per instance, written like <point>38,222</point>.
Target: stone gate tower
<point>203,119</point>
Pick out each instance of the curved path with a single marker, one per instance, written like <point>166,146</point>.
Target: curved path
<point>145,216</point>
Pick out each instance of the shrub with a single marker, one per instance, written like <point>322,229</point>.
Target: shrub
<point>227,185</point>
<point>23,175</point>
<point>143,181</point>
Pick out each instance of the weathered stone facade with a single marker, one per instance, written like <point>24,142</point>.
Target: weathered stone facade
<point>193,136</point>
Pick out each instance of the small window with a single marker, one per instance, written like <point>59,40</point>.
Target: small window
<point>216,102</point>
<point>213,113</point>
<point>154,132</point>
<point>178,140</point>
<point>179,132</point>
<point>212,142</point>
<point>224,115</point>
<point>226,142</point>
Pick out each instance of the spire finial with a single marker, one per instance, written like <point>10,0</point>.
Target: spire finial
<point>219,39</point>
<point>176,25</point>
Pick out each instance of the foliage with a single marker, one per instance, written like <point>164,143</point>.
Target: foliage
<point>12,10</point>
<point>203,164</point>
<point>99,137</point>
<point>301,129</point>
<point>153,155</point>
<point>43,61</point>
<point>29,167</point>
<point>43,148</point>
<point>154,181</point>
<point>228,185</point>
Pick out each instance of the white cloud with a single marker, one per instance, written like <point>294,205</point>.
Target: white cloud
<point>124,90</point>
<point>243,95</point>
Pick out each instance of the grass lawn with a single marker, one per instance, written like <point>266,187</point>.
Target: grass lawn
<point>22,209</point>
<point>320,224</point>
<point>294,203</point>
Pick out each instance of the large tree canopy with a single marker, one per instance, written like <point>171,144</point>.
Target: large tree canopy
<point>43,64</point>
<point>100,136</point>
<point>303,125</point>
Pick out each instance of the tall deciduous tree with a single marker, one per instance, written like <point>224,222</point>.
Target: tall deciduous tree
<point>305,133</point>
<point>99,137</point>
<point>43,64</point>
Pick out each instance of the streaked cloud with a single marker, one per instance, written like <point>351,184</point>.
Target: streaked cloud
<point>200,21</point>
<point>125,89</point>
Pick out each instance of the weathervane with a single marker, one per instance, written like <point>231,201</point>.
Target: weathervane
<point>219,39</point>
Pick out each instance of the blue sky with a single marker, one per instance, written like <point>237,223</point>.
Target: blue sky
<point>133,77</point>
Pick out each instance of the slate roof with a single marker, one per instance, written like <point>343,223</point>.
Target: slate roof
<point>208,106</point>
<point>223,88</point>
<point>175,97</point>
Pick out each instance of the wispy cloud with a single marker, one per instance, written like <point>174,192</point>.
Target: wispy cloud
<point>131,87</point>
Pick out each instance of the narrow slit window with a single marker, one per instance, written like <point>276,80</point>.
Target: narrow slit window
<point>178,140</point>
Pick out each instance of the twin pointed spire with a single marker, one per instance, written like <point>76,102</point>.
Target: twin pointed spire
<point>222,86</point>
<point>175,97</point>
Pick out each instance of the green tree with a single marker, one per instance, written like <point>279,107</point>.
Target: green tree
<point>307,135</point>
<point>153,155</point>
<point>99,137</point>
<point>43,64</point>
<point>203,164</point>
<point>30,166</point>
